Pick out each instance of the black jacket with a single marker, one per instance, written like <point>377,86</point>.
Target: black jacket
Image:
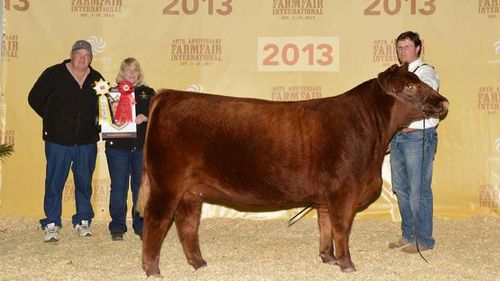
<point>69,113</point>
<point>143,95</point>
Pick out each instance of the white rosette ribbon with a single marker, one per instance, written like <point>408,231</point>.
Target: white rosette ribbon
<point>102,88</point>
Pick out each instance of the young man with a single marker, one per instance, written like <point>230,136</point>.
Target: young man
<point>412,155</point>
<point>65,99</point>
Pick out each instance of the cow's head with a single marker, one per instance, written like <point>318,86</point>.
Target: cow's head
<point>408,89</point>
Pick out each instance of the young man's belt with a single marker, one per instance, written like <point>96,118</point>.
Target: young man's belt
<point>407,130</point>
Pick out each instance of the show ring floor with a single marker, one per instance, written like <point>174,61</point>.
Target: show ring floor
<point>237,249</point>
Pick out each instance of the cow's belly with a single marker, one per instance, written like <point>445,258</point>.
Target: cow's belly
<point>243,196</point>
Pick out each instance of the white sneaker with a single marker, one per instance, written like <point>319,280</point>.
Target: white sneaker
<point>83,229</point>
<point>51,233</point>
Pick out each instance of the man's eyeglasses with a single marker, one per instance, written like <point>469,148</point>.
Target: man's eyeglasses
<point>406,48</point>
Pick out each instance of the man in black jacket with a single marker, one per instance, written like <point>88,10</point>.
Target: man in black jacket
<point>65,99</point>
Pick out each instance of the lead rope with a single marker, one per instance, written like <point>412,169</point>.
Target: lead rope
<point>307,209</point>
<point>421,184</point>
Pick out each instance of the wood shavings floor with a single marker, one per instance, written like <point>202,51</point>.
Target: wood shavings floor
<point>237,249</point>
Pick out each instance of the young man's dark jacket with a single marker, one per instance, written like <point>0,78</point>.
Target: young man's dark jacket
<point>69,113</point>
<point>143,95</point>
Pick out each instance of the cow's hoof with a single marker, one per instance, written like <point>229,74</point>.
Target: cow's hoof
<point>197,263</point>
<point>155,276</point>
<point>329,259</point>
<point>348,269</point>
<point>151,271</point>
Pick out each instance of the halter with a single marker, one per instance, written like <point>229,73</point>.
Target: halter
<point>419,106</point>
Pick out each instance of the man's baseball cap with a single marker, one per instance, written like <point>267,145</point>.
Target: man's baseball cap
<point>81,44</point>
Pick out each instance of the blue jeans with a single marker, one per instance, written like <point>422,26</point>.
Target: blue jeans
<point>60,158</point>
<point>411,182</point>
<point>122,164</point>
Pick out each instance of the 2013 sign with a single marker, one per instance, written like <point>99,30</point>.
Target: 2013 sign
<point>393,7</point>
<point>22,5</point>
<point>191,7</point>
<point>298,53</point>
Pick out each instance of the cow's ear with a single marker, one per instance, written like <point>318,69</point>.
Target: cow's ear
<point>393,68</point>
<point>384,78</point>
<point>389,71</point>
<point>404,67</point>
<point>390,79</point>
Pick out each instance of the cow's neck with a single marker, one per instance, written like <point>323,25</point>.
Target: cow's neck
<point>393,115</point>
<point>389,116</point>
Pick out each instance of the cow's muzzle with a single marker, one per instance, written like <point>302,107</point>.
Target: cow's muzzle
<point>436,108</point>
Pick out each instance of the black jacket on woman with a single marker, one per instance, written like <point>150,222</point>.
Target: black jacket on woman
<point>143,95</point>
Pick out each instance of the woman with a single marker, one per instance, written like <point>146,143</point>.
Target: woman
<point>124,155</point>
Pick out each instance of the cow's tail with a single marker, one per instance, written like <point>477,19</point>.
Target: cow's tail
<point>144,192</point>
<point>145,189</point>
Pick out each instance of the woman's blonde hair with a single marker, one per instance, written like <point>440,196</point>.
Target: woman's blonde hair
<point>130,62</point>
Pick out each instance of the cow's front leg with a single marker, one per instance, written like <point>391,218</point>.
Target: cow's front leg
<point>187,222</point>
<point>341,216</point>
<point>325,236</point>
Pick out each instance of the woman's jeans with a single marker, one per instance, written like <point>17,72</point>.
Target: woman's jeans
<point>122,164</point>
<point>411,182</point>
<point>60,158</point>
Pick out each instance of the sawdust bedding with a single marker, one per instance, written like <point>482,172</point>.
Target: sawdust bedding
<point>237,249</point>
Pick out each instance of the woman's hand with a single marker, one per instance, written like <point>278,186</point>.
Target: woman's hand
<point>140,119</point>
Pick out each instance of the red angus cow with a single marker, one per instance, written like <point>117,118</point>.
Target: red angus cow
<point>249,152</point>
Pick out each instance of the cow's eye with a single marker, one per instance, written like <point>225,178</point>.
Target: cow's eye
<point>410,86</point>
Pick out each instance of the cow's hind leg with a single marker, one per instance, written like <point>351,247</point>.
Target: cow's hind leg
<point>326,236</point>
<point>158,215</point>
<point>187,222</point>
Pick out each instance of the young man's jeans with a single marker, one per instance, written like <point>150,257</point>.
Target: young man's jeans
<point>122,164</point>
<point>60,158</point>
<point>411,182</point>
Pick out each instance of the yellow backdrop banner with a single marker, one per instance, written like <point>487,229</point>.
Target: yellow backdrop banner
<point>281,50</point>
